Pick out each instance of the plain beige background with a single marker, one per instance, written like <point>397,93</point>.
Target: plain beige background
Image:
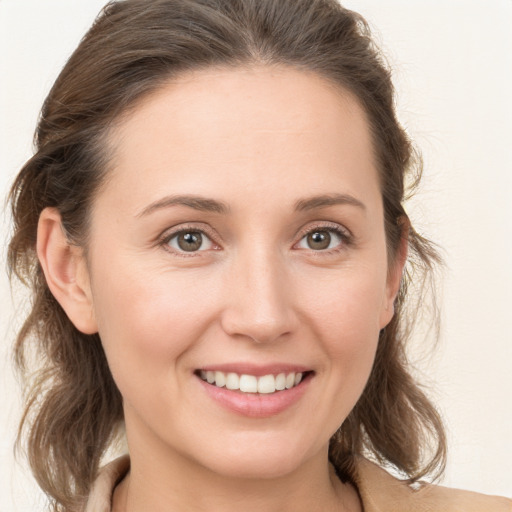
<point>453,72</point>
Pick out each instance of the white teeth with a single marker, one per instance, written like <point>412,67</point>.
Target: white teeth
<point>220,379</point>
<point>251,384</point>
<point>290,380</point>
<point>232,381</point>
<point>266,384</point>
<point>248,383</point>
<point>280,382</point>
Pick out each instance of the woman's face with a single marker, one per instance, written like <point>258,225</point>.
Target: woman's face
<point>240,237</point>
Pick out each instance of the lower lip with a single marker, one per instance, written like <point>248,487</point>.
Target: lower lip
<point>256,405</point>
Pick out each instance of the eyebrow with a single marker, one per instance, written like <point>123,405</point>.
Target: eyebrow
<point>202,204</point>
<point>211,205</point>
<point>325,200</point>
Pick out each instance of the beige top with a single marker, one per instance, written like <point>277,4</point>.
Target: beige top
<point>379,491</point>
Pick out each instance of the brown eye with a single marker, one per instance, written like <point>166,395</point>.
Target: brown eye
<point>319,240</point>
<point>190,241</point>
<point>323,239</point>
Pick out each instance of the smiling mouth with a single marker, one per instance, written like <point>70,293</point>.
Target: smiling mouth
<point>245,383</point>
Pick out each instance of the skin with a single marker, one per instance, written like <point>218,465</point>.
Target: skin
<point>258,140</point>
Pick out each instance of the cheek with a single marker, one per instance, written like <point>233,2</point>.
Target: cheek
<point>147,319</point>
<point>348,306</point>
<point>351,333</point>
<point>346,315</point>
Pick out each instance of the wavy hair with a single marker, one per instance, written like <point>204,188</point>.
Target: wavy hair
<point>73,407</point>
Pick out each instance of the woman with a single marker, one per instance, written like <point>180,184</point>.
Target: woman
<point>216,210</point>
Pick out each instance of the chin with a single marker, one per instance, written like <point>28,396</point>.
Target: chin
<point>256,460</point>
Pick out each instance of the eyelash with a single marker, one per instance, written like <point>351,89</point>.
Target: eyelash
<point>344,235</point>
<point>166,238</point>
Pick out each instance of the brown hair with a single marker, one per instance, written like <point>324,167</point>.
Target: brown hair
<point>73,405</point>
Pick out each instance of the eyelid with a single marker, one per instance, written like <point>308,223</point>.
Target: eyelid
<point>204,229</point>
<point>207,231</point>
<point>343,232</point>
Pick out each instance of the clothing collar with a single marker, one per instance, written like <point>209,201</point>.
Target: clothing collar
<point>379,492</point>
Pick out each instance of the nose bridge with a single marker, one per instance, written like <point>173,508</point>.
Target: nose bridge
<point>259,305</point>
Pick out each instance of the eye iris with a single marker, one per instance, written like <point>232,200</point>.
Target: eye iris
<point>319,240</point>
<point>190,241</point>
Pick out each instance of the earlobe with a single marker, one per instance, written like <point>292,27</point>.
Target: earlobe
<point>65,271</point>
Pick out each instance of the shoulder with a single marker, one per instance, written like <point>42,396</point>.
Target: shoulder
<point>381,492</point>
<point>100,497</point>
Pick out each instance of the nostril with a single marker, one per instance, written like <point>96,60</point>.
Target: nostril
<point>260,306</point>
<point>257,328</point>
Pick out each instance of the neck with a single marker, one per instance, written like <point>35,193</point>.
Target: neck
<point>163,482</point>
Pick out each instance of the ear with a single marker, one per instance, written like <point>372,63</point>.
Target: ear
<point>395,273</point>
<point>65,271</point>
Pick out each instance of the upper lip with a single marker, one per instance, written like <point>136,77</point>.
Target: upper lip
<point>244,368</point>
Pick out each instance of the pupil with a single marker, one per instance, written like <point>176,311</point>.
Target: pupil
<point>190,241</point>
<point>319,240</point>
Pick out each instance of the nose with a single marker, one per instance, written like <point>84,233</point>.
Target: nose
<point>259,302</point>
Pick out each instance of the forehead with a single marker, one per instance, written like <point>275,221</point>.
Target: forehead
<point>253,127</point>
